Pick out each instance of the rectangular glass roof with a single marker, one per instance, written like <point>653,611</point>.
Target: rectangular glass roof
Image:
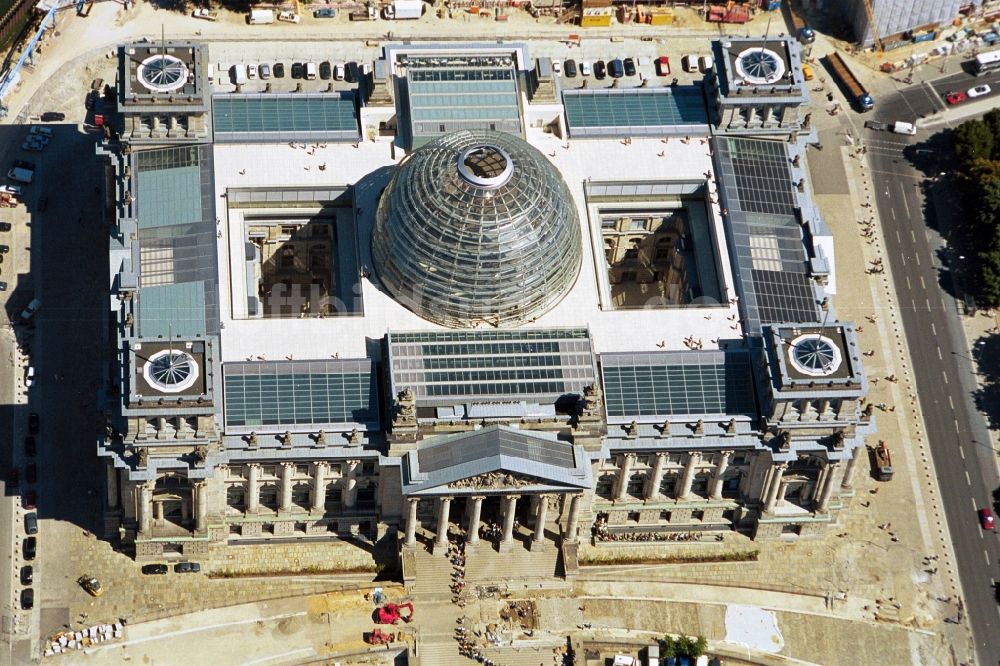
<point>175,211</point>
<point>285,117</point>
<point>290,395</point>
<point>652,386</point>
<point>460,367</point>
<point>766,239</point>
<point>635,111</point>
<point>446,98</point>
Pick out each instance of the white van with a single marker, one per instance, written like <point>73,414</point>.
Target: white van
<point>585,68</point>
<point>899,127</point>
<point>705,64</point>
<point>21,175</point>
<point>690,63</point>
<point>310,70</point>
<point>338,72</point>
<point>260,16</point>
<point>238,74</point>
<point>29,312</point>
<point>210,71</point>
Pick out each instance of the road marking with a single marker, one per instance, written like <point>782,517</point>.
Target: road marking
<point>951,403</point>
<point>933,328</point>
<point>905,205</point>
<point>893,211</point>
<point>899,239</point>
<point>987,556</point>
<point>916,258</point>
<point>909,287</point>
<point>913,237</point>
<point>945,375</point>
<point>961,452</point>
<point>955,423</point>
<point>975,507</point>
<point>967,479</point>
<point>923,285</point>
<point>940,358</point>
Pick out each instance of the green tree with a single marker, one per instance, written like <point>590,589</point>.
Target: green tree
<point>699,647</point>
<point>667,647</point>
<point>684,645</point>
<point>973,139</point>
<point>992,120</point>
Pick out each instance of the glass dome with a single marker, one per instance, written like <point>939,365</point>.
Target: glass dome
<point>477,227</point>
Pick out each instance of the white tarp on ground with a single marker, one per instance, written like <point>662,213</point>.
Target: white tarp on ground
<point>754,627</point>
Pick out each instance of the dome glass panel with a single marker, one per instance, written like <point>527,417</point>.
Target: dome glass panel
<point>477,227</point>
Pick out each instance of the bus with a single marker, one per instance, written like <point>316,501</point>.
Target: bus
<point>986,62</point>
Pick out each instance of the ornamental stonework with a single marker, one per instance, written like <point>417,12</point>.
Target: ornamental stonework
<point>494,481</point>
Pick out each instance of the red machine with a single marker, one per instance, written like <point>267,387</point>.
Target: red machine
<point>728,13</point>
<point>379,637</point>
<point>391,613</point>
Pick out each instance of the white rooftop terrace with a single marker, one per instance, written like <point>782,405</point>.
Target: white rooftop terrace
<point>274,166</point>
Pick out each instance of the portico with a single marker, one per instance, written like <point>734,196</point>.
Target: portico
<point>489,484</point>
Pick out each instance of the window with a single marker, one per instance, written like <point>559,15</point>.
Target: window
<point>287,257</point>
<point>665,515</point>
<point>302,495</point>
<point>302,470</point>
<point>698,515</point>
<point>235,530</point>
<point>668,485</point>
<point>636,483</point>
<point>368,468</point>
<point>639,224</point>
<point>269,470</point>
<point>633,516</point>
<point>643,460</point>
<point>333,496</point>
<point>632,254</point>
<point>699,485</point>
<point>236,497</point>
<point>269,497</point>
<point>335,469</point>
<point>604,486</point>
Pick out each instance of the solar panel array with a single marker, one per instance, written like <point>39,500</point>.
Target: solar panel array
<point>635,111</point>
<point>290,394</point>
<point>652,386</point>
<point>271,117</point>
<point>459,367</point>
<point>766,238</point>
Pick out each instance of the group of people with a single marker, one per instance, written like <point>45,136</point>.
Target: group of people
<point>456,555</point>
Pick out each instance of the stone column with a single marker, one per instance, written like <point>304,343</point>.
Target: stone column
<point>656,476</point>
<point>287,470</point>
<point>692,462</point>
<point>145,507</point>
<point>319,486</point>
<point>572,525</point>
<point>827,491</point>
<point>624,472</point>
<point>112,486</point>
<point>349,491</point>
<point>817,488</point>
<point>253,489</point>
<point>411,522</point>
<point>538,542</point>
<point>472,534</point>
<point>852,465</point>
<point>777,471</point>
<point>720,470</point>
<point>442,524</point>
<point>186,508</point>
<point>158,512</point>
<point>508,523</point>
<point>201,505</point>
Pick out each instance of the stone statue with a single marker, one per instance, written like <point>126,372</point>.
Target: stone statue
<point>731,427</point>
<point>593,400</point>
<point>252,440</point>
<point>286,439</point>
<point>493,480</point>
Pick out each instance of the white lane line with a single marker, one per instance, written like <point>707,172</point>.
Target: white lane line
<point>927,301</point>
<point>905,205</point>
<point>975,507</point>
<point>955,423</point>
<point>899,239</point>
<point>951,403</point>
<point>961,452</point>
<point>945,375</point>
<point>940,358</point>
<point>909,287</point>
<point>913,237</point>
<point>922,283</point>
<point>968,481</point>
<point>903,258</point>
<point>916,258</point>
<point>987,556</point>
<point>893,211</point>
<point>933,328</point>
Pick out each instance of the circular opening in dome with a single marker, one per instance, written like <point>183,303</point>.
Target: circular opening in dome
<point>171,370</point>
<point>815,355</point>
<point>162,73</point>
<point>760,66</point>
<point>485,166</point>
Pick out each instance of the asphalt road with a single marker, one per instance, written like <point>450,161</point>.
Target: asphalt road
<point>957,433</point>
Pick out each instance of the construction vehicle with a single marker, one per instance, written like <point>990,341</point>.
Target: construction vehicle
<point>206,14</point>
<point>368,13</point>
<point>91,585</point>
<point>857,93</point>
<point>883,462</point>
<point>403,9</point>
<point>800,29</point>
<point>379,637</point>
<point>728,13</point>
<point>391,613</point>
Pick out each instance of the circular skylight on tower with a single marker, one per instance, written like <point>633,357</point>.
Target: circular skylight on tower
<point>486,166</point>
<point>760,66</point>
<point>162,73</point>
<point>814,355</point>
<point>171,371</point>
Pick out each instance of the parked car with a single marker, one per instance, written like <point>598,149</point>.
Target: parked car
<point>807,72</point>
<point>27,575</point>
<point>629,66</point>
<point>265,71</point>
<point>325,70</point>
<point>569,69</point>
<point>4,226</point>
<point>705,64</point>
<point>3,286</point>
<point>690,63</point>
<point>154,569</point>
<point>33,420</point>
<point>600,70</point>
<point>53,116</point>
<point>91,585</point>
<point>4,249</point>
<point>11,189</point>
<point>30,548</point>
<point>986,520</point>
<point>979,91</point>
<point>298,70</point>
<point>27,598</point>
<point>325,12</point>
<point>29,376</point>
<point>616,69</point>
<point>30,499</point>
<point>30,447</point>
<point>956,97</point>
<point>663,65</point>
<point>585,68</point>
<point>279,70</point>
<point>251,71</point>
<point>187,567</point>
<point>31,523</point>
<point>339,72</point>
